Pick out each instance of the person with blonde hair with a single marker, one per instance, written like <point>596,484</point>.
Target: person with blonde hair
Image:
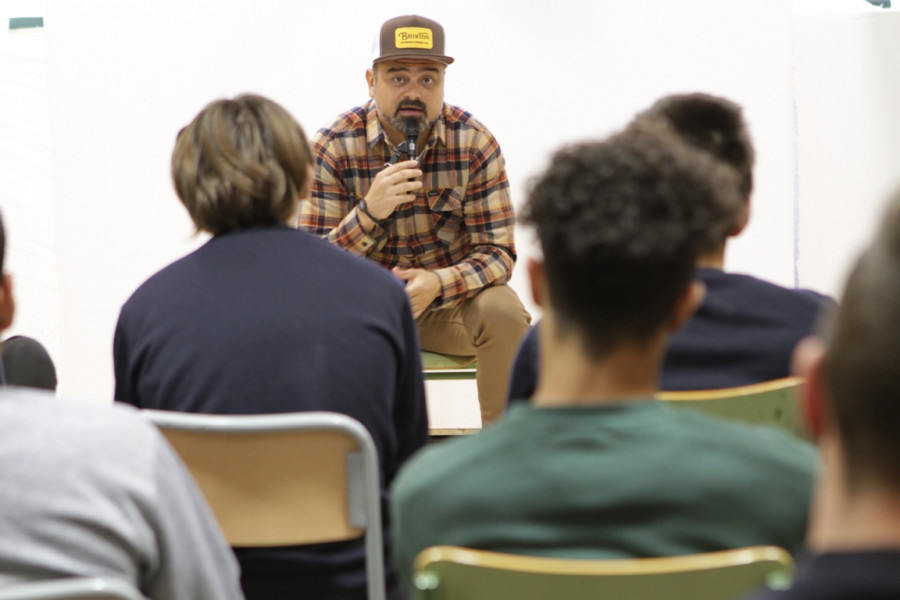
<point>264,318</point>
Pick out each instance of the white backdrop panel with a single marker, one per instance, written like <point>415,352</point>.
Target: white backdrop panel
<point>125,76</point>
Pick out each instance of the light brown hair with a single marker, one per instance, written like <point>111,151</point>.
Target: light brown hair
<point>241,163</point>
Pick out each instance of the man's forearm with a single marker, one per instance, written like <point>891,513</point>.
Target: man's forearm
<point>487,265</point>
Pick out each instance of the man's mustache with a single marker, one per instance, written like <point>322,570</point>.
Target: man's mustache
<point>417,104</point>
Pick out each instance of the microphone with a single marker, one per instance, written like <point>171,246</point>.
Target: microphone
<point>411,129</point>
<point>396,155</point>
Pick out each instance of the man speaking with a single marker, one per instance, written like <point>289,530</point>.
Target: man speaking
<point>420,186</point>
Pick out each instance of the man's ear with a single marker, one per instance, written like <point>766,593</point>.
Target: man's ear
<point>370,81</point>
<point>537,279</point>
<point>687,305</point>
<point>7,303</point>
<point>808,361</point>
<point>741,222</point>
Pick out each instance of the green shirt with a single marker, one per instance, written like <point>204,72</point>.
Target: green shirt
<point>615,480</point>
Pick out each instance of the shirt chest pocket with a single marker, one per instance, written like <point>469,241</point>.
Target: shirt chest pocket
<point>446,207</point>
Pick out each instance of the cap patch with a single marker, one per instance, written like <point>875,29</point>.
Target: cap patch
<point>413,37</point>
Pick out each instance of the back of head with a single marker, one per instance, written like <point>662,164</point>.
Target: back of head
<point>241,163</point>
<point>715,125</point>
<point>27,363</point>
<point>620,223</point>
<point>862,377</point>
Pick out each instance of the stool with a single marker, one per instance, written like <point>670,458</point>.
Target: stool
<point>447,419</point>
<point>448,366</point>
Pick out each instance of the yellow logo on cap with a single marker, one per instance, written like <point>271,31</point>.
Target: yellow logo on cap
<point>413,37</point>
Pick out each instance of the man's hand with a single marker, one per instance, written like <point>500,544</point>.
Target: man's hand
<point>392,187</point>
<point>422,287</point>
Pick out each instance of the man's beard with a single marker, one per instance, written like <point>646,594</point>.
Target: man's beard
<point>400,122</point>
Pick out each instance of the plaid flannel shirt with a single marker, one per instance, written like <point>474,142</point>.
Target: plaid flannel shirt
<point>460,225</point>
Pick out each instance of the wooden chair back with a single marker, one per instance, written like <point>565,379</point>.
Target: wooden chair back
<point>453,573</point>
<point>285,479</point>
<point>771,402</point>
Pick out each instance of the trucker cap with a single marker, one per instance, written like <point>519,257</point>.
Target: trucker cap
<point>411,36</point>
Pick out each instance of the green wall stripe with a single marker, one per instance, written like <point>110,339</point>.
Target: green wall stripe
<point>26,22</point>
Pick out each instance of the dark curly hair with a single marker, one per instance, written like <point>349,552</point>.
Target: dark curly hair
<point>620,223</point>
<point>241,163</point>
<point>715,125</point>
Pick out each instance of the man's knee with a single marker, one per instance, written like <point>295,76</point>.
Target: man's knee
<point>500,306</point>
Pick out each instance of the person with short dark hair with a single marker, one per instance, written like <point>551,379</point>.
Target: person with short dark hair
<point>96,491</point>
<point>442,220</point>
<point>264,318</point>
<point>851,403</point>
<point>596,466</point>
<point>746,328</point>
<point>26,363</point>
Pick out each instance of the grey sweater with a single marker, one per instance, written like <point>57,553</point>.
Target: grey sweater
<point>96,491</point>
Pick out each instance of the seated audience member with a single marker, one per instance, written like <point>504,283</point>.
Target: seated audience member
<point>745,329</point>
<point>596,466</point>
<point>850,400</point>
<point>96,491</point>
<point>26,363</point>
<point>264,318</point>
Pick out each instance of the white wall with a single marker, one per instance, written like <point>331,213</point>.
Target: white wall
<point>847,90</point>
<point>125,76</point>
<point>25,186</point>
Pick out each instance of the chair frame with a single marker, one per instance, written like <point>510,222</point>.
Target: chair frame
<point>448,366</point>
<point>363,497</point>
<point>770,402</point>
<point>72,588</point>
<point>523,577</point>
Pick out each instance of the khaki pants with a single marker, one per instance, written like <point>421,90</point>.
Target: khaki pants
<point>489,325</point>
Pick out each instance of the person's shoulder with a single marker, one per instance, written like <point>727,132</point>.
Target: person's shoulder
<point>751,282</point>
<point>838,575</point>
<point>318,251</point>
<point>76,424</point>
<point>431,464</point>
<point>35,404</point>
<point>451,460</point>
<point>752,289</point>
<point>759,443</point>
<point>459,118</point>
<point>349,122</point>
<point>159,283</point>
<point>357,278</point>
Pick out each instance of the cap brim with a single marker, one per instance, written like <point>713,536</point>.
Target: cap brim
<point>444,60</point>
